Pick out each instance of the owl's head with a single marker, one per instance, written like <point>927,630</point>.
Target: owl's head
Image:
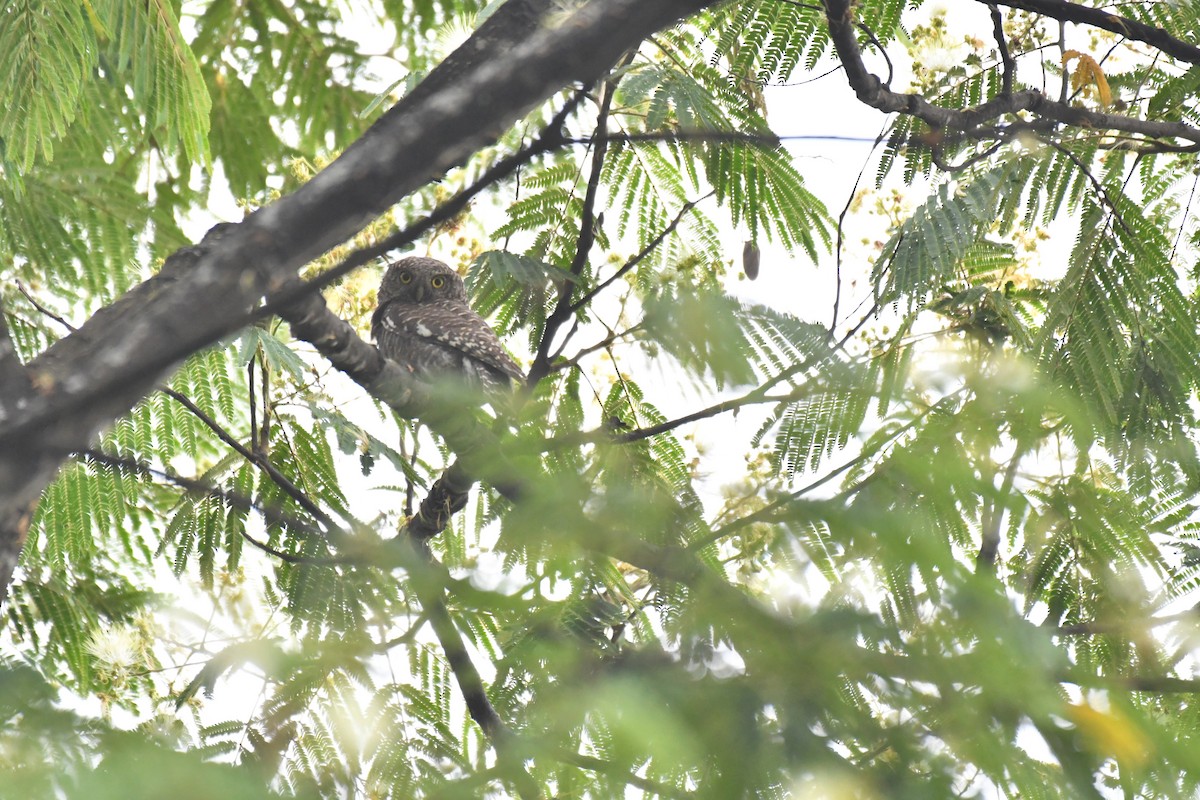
<point>420,280</point>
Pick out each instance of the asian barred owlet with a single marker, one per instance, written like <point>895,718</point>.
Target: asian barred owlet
<point>424,324</point>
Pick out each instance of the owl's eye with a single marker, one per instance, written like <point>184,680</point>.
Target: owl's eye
<point>405,277</point>
<point>438,282</point>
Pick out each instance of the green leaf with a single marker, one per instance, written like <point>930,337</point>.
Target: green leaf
<point>703,332</point>
<point>49,52</point>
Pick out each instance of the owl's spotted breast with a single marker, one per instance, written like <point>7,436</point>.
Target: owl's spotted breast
<point>423,323</point>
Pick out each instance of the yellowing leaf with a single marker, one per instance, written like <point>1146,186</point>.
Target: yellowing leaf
<point>1111,733</point>
<point>1088,72</point>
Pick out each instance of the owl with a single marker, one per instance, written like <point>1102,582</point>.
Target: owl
<point>424,324</point>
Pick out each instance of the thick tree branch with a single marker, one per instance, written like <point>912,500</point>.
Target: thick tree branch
<point>461,106</point>
<point>982,121</point>
<point>13,377</point>
<point>446,497</point>
<point>16,510</point>
<point>1122,26</point>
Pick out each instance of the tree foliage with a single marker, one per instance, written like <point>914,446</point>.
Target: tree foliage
<point>960,553</point>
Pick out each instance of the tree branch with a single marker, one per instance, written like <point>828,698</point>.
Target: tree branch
<point>446,497</point>
<point>428,581</point>
<point>993,519</point>
<point>255,457</point>
<point>603,344</point>
<point>583,247</point>
<point>1010,66</point>
<point>650,247</point>
<point>233,499</point>
<point>1122,26</point>
<point>16,510</point>
<point>1162,685</point>
<point>759,394</point>
<point>1099,627</point>
<point>593,764</point>
<point>258,459</point>
<point>13,377</point>
<point>549,139</point>
<point>979,122</point>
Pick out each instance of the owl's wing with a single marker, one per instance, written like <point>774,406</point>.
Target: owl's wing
<point>453,326</point>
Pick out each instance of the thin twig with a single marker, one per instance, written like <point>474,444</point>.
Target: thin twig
<point>587,235</point>
<point>641,255</point>
<point>234,499</point>
<point>989,546</point>
<point>603,344</point>
<point>759,394</point>
<point>870,35</point>
<point>841,236</point>
<point>291,489</point>
<point>1010,66</point>
<point>550,138</point>
<point>43,309</point>
<point>262,463</point>
<point>765,139</point>
<point>593,764</point>
<point>1097,186</point>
